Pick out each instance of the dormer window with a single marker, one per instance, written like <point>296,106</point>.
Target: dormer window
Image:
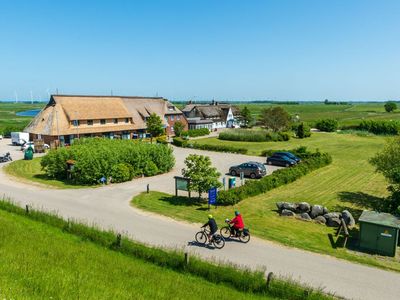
<point>90,122</point>
<point>102,121</point>
<point>115,121</point>
<point>126,120</point>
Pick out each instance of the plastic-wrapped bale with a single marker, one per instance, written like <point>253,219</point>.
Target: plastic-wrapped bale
<point>316,210</point>
<point>333,222</point>
<point>287,213</point>
<point>305,216</point>
<point>320,220</point>
<point>289,206</point>
<point>332,215</point>
<point>279,205</point>
<point>303,207</point>
<point>348,218</point>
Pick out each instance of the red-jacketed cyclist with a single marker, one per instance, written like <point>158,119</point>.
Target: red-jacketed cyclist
<point>237,222</point>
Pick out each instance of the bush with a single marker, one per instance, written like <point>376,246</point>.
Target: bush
<point>179,142</point>
<point>380,127</point>
<point>278,178</point>
<point>250,135</point>
<point>162,140</point>
<point>121,172</point>
<point>150,169</point>
<point>328,125</point>
<point>303,131</point>
<point>196,132</point>
<point>94,158</point>
<point>300,152</point>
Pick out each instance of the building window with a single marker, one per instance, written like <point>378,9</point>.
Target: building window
<point>172,118</point>
<point>102,121</point>
<point>166,118</point>
<point>126,120</point>
<point>178,117</point>
<point>115,121</point>
<point>90,122</point>
<point>76,123</point>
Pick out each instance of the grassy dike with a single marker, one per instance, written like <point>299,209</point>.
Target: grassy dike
<point>45,256</point>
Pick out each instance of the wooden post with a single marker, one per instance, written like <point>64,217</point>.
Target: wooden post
<point>27,209</point>
<point>269,279</point>
<point>119,242</point>
<point>186,258</point>
<point>148,188</point>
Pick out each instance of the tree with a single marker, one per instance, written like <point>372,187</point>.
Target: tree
<point>178,128</point>
<point>390,106</point>
<point>246,117</point>
<point>275,118</point>
<point>303,131</point>
<point>203,176</point>
<point>154,126</point>
<point>327,125</point>
<point>387,162</point>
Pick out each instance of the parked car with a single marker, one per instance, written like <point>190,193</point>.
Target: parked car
<point>290,155</point>
<point>280,160</point>
<point>31,144</point>
<point>251,169</point>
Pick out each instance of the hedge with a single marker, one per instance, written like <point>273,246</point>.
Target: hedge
<point>243,280</point>
<point>179,142</point>
<point>249,135</point>
<point>300,152</point>
<point>278,178</point>
<point>196,132</point>
<point>380,127</point>
<point>328,125</point>
<point>97,157</point>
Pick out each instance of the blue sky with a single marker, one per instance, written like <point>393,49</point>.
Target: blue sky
<point>238,50</point>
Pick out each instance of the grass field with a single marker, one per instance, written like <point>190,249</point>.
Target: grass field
<point>41,262</point>
<point>31,170</point>
<point>8,117</point>
<point>348,183</point>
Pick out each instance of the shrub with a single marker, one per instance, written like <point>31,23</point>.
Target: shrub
<point>150,169</point>
<point>390,106</point>
<point>380,127</point>
<point>250,135</point>
<point>179,142</point>
<point>303,131</point>
<point>121,172</point>
<point>328,125</point>
<point>280,177</point>
<point>95,158</point>
<point>162,140</point>
<point>300,152</point>
<point>196,132</point>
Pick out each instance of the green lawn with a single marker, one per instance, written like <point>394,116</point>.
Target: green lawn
<point>41,262</point>
<point>348,183</point>
<point>8,117</point>
<point>31,170</point>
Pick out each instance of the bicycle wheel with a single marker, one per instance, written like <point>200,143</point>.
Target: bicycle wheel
<point>218,241</point>
<point>201,237</point>
<point>244,238</point>
<point>225,232</point>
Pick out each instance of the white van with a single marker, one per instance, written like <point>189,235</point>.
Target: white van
<point>19,138</point>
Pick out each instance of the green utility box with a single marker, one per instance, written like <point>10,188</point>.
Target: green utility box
<point>379,232</point>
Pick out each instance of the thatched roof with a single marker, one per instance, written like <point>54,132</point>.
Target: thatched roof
<point>211,111</point>
<point>57,116</point>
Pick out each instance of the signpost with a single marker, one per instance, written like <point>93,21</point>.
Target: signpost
<point>182,184</point>
<point>241,178</point>
<point>212,197</point>
<point>224,183</point>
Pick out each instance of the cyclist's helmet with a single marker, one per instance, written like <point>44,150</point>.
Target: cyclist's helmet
<point>210,216</point>
<point>237,213</point>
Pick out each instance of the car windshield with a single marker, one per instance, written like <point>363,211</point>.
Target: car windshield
<point>290,155</point>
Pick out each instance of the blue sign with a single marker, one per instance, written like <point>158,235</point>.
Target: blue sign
<point>212,196</point>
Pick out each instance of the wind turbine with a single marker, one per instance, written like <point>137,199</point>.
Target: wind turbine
<point>16,96</point>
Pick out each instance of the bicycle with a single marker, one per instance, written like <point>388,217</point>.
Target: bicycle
<point>229,232</point>
<point>217,240</point>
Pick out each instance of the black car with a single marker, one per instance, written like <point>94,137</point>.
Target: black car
<point>280,160</point>
<point>251,169</point>
<point>290,155</point>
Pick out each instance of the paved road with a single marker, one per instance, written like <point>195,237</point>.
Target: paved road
<point>109,208</point>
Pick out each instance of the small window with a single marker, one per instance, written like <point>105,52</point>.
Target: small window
<point>126,120</point>
<point>76,123</point>
<point>90,122</point>
<point>172,118</point>
<point>166,118</point>
<point>115,121</point>
<point>178,117</point>
<point>102,121</point>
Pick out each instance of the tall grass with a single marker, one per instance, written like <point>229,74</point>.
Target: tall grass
<point>241,279</point>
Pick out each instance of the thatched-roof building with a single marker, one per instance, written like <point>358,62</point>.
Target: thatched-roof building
<point>212,116</point>
<point>66,117</point>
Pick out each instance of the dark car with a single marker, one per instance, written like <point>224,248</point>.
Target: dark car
<point>280,160</point>
<point>290,155</point>
<point>251,169</point>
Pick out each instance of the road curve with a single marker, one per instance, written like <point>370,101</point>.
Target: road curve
<point>109,208</point>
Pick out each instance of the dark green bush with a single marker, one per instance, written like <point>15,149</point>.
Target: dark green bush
<point>95,158</point>
<point>150,169</point>
<point>280,177</point>
<point>195,132</point>
<point>380,127</point>
<point>253,135</point>
<point>121,172</point>
<point>303,131</point>
<point>300,152</point>
<point>179,142</point>
<point>328,125</point>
